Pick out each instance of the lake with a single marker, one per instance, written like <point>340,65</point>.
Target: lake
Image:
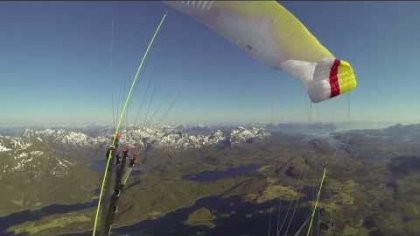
<point>207,176</point>
<point>33,215</point>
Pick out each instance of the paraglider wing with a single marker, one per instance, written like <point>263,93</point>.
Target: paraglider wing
<point>269,33</point>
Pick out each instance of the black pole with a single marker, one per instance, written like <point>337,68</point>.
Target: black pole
<point>112,209</point>
<point>111,153</point>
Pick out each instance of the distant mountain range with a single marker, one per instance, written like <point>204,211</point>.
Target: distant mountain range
<point>37,147</point>
<point>176,137</point>
<point>34,147</point>
<point>38,162</point>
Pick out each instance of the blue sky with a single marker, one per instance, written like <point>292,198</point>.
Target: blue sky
<point>55,65</point>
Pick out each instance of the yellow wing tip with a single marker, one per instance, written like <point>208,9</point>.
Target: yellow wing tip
<point>346,77</point>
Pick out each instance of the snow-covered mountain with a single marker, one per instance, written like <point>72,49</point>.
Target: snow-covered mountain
<point>21,154</point>
<point>158,136</point>
<point>33,149</point>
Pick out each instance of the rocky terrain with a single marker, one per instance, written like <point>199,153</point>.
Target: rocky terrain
<point>206,181</point>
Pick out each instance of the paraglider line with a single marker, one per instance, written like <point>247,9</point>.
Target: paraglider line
<point>136,77</point>
<point>111,64</point>
<point>302,177</point>
<point>317,201</point>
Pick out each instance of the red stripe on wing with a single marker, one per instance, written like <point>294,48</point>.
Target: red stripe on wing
<point>335,86</point>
